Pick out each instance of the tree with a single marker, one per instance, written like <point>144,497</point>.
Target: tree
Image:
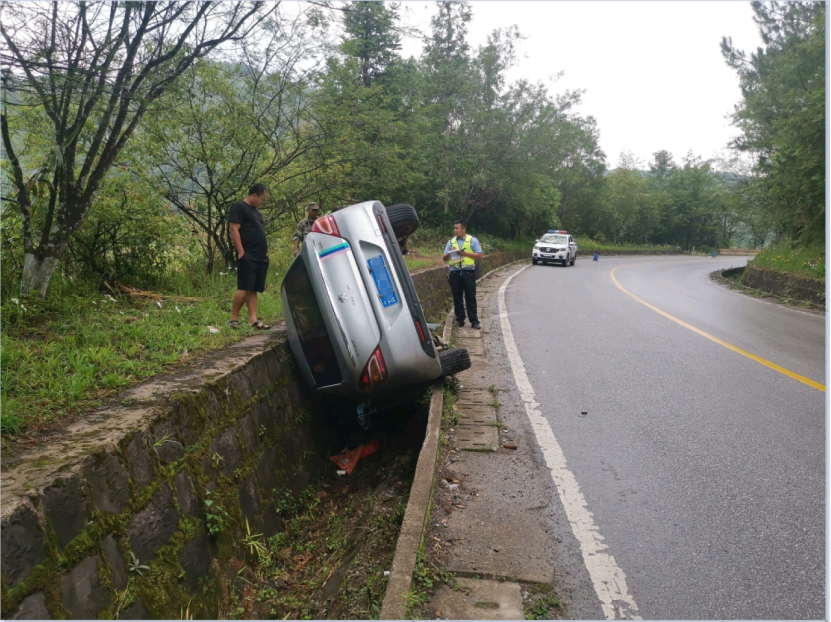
<point>782,115</point>
<point>448,82</point>
<point>365,100</point>
<point>631,215</point>
<point>95,69</point>
<point>227,126</point>
<point>370,38</point>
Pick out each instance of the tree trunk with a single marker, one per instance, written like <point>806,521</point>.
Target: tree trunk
<point>37,271</point>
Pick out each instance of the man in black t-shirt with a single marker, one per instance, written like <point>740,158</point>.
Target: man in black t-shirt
<point>247,230</point>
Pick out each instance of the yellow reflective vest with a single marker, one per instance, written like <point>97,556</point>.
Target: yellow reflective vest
<point>467,263</point>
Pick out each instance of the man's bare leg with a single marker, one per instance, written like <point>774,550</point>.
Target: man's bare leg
<point>240,299</point>
<point>251,303</point>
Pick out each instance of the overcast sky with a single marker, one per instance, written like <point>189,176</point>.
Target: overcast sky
<point>652,71</point>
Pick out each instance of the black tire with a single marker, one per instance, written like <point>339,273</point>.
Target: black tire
<point>404,220</point>
<point>534,260</point>
<point>565,263</point>
<point>573,259</point>
<point>453,361</point>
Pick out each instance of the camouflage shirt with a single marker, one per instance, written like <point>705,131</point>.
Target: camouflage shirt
<point>303,228</point>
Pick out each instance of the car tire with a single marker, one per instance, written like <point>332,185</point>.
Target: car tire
<point>453,361</point>
<point>573,259</point>
<point>565,263</point>
<point>534,260</point>
<point>404,219</point>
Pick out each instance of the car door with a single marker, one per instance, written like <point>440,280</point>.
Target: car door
<point>572,247</point>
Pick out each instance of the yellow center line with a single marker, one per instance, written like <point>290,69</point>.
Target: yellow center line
<point>721,342</point>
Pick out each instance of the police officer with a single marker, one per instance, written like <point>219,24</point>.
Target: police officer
<point>305,225</point>
<point>462,251</point>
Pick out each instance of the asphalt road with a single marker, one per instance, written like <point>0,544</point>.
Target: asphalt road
<point>704,469</point>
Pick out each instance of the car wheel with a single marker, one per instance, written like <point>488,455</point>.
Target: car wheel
<point>453,361</point>
<point>573,259</point>
<point>565,263</point>
<point>404,219</point>
<point>534,260</point>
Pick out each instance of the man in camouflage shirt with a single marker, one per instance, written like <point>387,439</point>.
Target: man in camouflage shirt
<point>305,225</point>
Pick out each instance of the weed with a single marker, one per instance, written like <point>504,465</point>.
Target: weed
<point>277,541</point>
<point>541,604</point>
<point>184,612</point>
<point>286,503</point>
<point>216,461</point>
<point>135,565</point>
<point>216,517</point>
<point>254,543</point>
<point>493,390</point>
<point>496,404</point>
<point>167,438</point>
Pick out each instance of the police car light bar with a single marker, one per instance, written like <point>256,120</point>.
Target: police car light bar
<point>558,231</point>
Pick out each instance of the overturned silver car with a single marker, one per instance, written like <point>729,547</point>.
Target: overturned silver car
<point>354,321</point>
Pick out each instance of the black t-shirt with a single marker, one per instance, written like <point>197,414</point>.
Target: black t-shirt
<point>251,230</point>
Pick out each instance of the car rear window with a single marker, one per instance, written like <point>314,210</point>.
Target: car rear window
<point>308,321</point>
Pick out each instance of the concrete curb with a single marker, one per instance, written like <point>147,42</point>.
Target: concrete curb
<point>418,507</point>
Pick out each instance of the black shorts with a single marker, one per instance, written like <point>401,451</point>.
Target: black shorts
<point>251,273</point>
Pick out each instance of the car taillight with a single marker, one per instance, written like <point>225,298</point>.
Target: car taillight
<point>327,225</point>
<point>381,223</point>
<point>419,330</point>
<point>375,371</point>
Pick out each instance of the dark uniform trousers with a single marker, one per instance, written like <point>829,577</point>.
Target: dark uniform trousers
<point>463,284</point>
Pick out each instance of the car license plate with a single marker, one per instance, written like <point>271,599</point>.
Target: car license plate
<point>383,282</point>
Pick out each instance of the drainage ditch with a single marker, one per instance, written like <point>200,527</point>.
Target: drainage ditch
<point>333,557</point>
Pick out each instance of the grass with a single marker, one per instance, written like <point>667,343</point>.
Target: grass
<point>67,353</point>
<point>806,261</point>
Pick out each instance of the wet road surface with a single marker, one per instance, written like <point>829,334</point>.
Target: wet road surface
<point>704,469</point>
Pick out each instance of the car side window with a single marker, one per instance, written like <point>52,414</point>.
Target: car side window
<point>570,240</point>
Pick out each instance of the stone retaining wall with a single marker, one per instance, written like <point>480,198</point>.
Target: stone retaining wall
<point>785,285</point>
<point>133,479</point>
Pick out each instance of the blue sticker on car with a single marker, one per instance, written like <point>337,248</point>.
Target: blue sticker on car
<point>383,282</point>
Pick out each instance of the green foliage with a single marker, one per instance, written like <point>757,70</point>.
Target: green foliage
<point>130,235</point>
<point>216,518</point>
<point>782,114</point>
<point>78,346</point>
<point>804,261</point>
<point>254,543</point>
<point>136,566</point>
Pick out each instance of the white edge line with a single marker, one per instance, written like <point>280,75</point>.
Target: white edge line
<point>608,579</point>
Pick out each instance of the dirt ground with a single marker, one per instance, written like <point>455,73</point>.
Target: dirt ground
<point>333,558</point>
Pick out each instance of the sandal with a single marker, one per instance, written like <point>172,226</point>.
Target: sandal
<point>258,325</point>
<point>233,323</point>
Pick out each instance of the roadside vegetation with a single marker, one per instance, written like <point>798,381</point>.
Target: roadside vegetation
<point>102,193</point>
<point>83,343</point>
<point>805,261</point>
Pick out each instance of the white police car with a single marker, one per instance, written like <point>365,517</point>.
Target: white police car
<point>555,246</point>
